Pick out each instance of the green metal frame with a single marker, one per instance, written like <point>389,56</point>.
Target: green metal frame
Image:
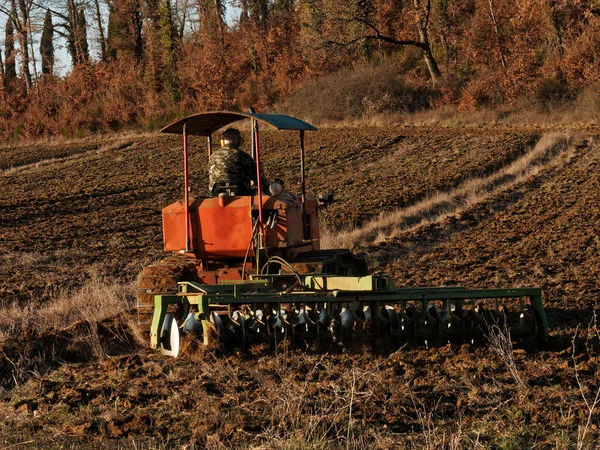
<point>324,289</point>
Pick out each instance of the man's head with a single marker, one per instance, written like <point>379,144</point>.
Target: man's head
<point>230,138</point>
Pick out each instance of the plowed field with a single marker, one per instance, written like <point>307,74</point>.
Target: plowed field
<point>73,214</point>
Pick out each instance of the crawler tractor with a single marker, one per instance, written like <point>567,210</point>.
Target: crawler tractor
<point>249,269</point>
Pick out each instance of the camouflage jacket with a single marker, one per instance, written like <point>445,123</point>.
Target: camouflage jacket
<point>229,165</point>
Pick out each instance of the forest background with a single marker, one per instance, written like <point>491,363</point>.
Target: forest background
<point>141,63</point>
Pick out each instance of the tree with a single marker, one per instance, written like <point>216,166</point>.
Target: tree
<point>1,72</point>
<point>258,11</point>
<point>352,24</point>
<point>162,47</point>
<point>101,38</point>
<point>10,68</point>
<point>47,45</point>
<point>82,43</point>
<point>72,27</point>
<point>76,32</point>
<point>212,19</point>
<point>20,10</point>
<point>124,36</point>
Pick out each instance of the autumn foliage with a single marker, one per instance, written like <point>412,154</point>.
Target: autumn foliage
<point>346,58</point>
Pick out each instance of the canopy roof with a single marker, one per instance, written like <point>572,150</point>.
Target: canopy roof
<point>205,124</point>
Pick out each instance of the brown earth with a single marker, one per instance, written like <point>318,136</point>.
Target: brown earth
<point>70,212</point>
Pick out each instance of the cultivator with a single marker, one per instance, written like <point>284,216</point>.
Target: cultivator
<point>249,269</point>
<point>341,309</point>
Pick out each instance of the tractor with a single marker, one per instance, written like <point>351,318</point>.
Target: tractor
<point>245,269</point>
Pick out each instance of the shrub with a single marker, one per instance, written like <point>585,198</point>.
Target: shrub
<point>358,92</point>
<point>553,91</point>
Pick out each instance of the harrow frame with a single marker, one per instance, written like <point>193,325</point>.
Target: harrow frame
<point>377,290</point>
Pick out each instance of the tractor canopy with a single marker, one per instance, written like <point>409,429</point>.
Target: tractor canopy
<point>205,124</point>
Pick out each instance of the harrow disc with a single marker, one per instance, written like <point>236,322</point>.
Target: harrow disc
<point>169,337</point>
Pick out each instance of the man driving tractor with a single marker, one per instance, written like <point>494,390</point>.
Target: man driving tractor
<point>231,169</point>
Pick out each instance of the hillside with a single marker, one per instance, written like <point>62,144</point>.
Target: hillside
<point>494,206</point>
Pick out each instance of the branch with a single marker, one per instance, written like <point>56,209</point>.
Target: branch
<point>53,11</point>
<point>376,37</point>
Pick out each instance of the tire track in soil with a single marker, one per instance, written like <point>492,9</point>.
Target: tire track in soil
<point>549,151</point>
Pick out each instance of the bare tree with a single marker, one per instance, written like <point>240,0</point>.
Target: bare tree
<point>22,26</point>
<point>19,18</point>
<point>350,15</point>
<point>101,38</point>
<point>10,71</point>
<point>77,32</point>
<point>182,10</point>
<point>497,34</point>
<point>72,27</point>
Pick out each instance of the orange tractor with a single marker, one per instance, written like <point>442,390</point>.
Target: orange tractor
<point>247,268</point>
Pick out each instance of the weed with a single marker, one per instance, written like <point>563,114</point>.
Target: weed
<point>500,341</point>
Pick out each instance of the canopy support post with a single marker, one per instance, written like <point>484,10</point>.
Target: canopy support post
<point>303,181</point>
<point>261,229</point>
<point>186,189</point>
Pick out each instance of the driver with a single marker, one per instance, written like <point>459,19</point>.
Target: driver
<point>230,167</point>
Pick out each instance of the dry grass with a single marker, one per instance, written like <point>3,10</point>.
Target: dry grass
<point>500,341</point>
<point>96,300</point>
<point>444,204</point>
<point>80,325</point>
<point>582,111</point>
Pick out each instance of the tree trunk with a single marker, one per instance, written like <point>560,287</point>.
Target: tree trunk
<point>1,71</point>
<point>422,24</point>
<point>497,32</point>
<point>22,23</point>
<point>10,70</point>
<point>30,39</point>
<point>84,52</point>
<point>74,41</point>
<point>430,62</point>
<point>100,31</point>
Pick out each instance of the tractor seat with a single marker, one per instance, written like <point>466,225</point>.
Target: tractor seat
<point>230,189</point>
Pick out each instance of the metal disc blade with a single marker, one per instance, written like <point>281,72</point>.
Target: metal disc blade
<point>239,320</point>
<point>169,342</point>
<point>191,325</point>
<point>218,322</point>
<point>347,319</point>
<point>392,316</point>
<point>324,319</point>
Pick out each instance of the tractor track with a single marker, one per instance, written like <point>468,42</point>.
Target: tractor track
<point>551,151</point>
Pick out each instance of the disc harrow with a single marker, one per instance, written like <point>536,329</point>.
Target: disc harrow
<point>342,309</point>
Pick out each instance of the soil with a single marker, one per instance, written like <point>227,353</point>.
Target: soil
<point>74,211</point>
